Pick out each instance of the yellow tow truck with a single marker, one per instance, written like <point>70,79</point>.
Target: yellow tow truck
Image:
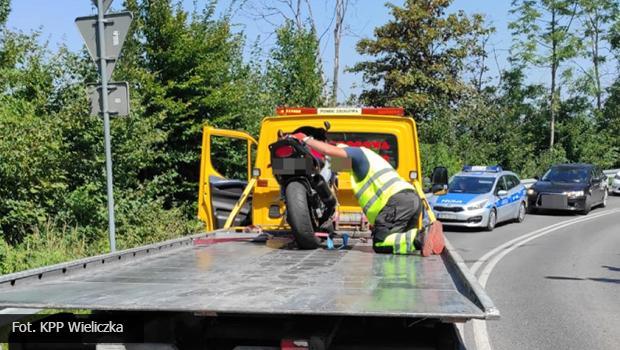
<point>384,130</point>
<point>228,288</point>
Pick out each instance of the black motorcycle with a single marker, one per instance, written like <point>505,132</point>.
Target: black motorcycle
<point>306,182</point>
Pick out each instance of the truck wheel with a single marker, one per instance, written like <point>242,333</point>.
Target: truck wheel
<point>492,220</point>
<point>300,217</point>
<point>521,214</point>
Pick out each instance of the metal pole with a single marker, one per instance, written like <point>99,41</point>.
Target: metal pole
<point>106,122</point>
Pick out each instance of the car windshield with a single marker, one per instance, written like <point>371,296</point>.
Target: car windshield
<point>471,184</point>
<point>566,174</point>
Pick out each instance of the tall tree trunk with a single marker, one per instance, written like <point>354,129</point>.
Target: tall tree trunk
<point>596,60</point>
<point>341,6</point>
<point>554,72</point>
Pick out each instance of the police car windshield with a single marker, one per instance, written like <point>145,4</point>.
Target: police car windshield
<point>567,174</point>
<point>471,184</point>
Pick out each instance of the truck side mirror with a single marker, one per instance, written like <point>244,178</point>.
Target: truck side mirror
<point>327,125</point>
<point>439,180</point>
<point>440,176</point>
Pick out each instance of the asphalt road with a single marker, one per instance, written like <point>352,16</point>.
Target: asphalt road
<point>557,287</point>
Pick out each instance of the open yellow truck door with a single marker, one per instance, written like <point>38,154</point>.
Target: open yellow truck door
<point>218,195</point>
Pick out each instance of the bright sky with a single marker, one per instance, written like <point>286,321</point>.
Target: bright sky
<point>55,19</point>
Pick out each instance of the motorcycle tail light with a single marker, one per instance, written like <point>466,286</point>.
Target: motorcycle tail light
<point>284,151</point>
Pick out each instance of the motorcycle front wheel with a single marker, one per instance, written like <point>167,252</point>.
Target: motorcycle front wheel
<point>299,216</point>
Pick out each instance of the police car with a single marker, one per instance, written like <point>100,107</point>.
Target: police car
<point>481,196</point>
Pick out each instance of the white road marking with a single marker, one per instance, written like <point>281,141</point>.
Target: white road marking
<point>494,251</point>
<point>481,336</point>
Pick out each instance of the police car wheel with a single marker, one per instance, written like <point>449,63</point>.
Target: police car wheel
<point>521,214</point>
<point>492,220</point>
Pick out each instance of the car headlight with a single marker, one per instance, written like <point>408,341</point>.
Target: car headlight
<point>478,205</point>
<point>531,192</point>
<point>573,194</point>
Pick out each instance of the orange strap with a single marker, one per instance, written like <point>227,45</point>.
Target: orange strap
<point>427,206</point>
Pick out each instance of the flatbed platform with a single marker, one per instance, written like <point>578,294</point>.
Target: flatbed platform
<point>242,277</point>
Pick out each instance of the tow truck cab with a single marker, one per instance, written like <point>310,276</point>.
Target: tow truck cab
<point>384,130</point>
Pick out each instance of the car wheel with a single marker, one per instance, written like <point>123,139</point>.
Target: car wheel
<point>521,214</point>
<point>492,220</point>
<point>587,206</point>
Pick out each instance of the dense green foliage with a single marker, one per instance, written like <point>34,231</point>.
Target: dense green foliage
<point>190,68</point>
<point>424,59</point>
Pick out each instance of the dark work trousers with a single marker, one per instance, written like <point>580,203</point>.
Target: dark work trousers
<point>400,214</point>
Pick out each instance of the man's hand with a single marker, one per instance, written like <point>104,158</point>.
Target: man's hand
<point>300,136</point>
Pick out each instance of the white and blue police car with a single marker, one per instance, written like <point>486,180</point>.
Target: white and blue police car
<point>481,196</point>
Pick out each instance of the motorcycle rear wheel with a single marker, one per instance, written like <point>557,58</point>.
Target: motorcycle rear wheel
<point>299,216</point>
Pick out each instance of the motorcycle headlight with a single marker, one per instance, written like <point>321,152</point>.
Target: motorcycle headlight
<point>478,205</point>
<point>531,192</point>
<point>573,194</point>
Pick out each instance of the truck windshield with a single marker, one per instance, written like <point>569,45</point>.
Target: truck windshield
<point>471,184</point>
<point>567,174</point>
<point>384,144</point>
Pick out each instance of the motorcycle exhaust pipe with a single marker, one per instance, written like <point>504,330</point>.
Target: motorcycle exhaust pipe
<point>324,192</point>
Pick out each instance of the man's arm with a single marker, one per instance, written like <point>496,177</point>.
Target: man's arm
<point>326,148</point>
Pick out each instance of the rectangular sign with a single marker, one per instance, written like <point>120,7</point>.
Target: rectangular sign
<point>339,111</point>
<point>116,29</point>
<point>118,99</point>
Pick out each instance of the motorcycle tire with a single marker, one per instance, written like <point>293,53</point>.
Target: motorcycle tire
<point>299,216</point>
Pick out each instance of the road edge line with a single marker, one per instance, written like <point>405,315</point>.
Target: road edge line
<point>481,335</point>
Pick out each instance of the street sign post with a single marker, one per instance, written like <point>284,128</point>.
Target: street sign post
<point>104,36</point>
<point>106,4</point>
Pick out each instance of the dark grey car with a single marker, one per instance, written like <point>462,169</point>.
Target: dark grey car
<point>575,187</point>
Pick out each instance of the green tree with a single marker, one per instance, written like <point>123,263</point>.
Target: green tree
<point>187,69</point>
<point>419,57</point>
<point>611,117</point>
<point>5,9</point>
<point>543,37</point>
<point>597,17</point>
<point>293,70</point>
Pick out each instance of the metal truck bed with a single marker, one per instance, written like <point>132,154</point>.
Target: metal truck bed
<point>232,277</point>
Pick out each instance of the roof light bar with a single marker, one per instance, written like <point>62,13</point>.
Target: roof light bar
<point>479,168</point>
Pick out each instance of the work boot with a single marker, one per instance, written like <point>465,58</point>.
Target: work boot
<point>430,241</point>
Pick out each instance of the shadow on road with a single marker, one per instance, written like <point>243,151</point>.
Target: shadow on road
<point>595,279</point>
<point>448,228</point>
<point>611,268</point>
<point>550,212</point>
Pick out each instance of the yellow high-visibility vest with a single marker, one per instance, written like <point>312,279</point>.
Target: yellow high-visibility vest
<point>381,183</point>
<point>400,242</point>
